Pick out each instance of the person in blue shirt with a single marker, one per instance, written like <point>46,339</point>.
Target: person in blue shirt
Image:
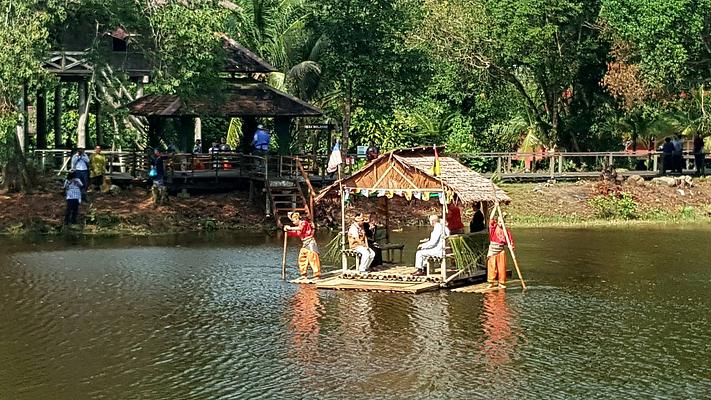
<point>260,141</point>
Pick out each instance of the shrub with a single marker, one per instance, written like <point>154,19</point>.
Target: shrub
<point>614,206</point>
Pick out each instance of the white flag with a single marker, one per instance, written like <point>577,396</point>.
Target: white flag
<point>335,160</point>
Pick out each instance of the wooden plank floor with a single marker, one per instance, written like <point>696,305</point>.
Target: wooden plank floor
<point>368,285</point>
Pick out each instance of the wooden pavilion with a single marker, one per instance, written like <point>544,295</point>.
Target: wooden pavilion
<point>409,173</point>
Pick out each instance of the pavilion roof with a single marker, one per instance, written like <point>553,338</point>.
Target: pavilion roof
<point>242,60</point>
<point>241,99</point>
<point>408,172</point>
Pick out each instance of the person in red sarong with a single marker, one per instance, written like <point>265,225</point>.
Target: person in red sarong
<point>496,257</point>
<point>308,255</point>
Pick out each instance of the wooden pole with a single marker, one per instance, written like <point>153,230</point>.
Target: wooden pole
<point>283,258</point>
<point>444,224</point>
<point>344,259</point>
<point>510,246</point>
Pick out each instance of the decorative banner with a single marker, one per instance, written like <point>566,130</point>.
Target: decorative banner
<point>418,195</point>
<point>381,193</point>
<point>389,194</point>
<point>426,196</point>
<point>398,193</point>
<point>347,194</point>
<point>408,195</point>
<point>364,192</point>
<point>442,198</point>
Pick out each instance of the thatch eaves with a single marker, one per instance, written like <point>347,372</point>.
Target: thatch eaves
<point>409,170</point>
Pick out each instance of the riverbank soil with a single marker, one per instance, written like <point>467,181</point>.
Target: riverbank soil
<point>132,211</point>
<point>573,202</point>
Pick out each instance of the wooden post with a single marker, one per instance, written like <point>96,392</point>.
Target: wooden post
<point>57,117</point>
<point>444,223</point>
<point>498,165</point>
<point>560,163</point>
<point>551,162</point>
<point>656,162</point>
<point>611,162</point>
<point>41,120</point>
<point>83,114</point>
<point>344,259</point>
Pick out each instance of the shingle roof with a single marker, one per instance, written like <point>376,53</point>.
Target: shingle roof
<point>253,99</point>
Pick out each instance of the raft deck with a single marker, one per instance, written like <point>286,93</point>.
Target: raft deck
<point>393,278</point>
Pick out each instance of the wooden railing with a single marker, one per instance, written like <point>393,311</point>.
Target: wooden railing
<point>557,163</point>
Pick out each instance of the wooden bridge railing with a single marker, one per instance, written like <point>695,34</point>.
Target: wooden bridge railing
<point>558,163</point>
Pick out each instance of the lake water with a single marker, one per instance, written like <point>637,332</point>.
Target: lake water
<point>610,313</point>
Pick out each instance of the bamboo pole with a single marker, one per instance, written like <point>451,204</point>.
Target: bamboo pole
<point>283,258</point>
<point>344,259</point>
<point>510,246</point>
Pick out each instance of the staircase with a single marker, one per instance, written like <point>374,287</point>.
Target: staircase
<point>285,189</point>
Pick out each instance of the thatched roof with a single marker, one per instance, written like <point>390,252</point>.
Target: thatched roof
<point>249,98</point>
<point>408,172</point>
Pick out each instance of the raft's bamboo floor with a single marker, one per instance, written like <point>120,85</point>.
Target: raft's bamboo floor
<point>389,278</point>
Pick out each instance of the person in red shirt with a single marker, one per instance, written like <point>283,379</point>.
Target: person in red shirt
<point>454,219</point>
<point>496,257</point>
<point>308,255</point>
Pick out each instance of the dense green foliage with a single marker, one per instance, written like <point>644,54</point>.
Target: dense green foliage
<point>476,75</point>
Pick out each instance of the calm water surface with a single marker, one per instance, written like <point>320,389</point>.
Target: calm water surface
<point>611,313</point>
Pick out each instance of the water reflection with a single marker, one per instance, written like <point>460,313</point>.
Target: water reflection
<point>304,327</point>
<point>209,318</point>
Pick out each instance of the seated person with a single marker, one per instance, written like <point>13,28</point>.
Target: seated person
<point>434,246</point>
<point>370,228</point>
<point>477,224</point>
<point>358,242</point>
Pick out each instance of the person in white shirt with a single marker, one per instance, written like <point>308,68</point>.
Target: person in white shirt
<point>80,165</point>
<point>434,246</point>
<point>358,242</point>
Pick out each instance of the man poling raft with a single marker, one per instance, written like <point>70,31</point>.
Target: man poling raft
<point>304,230</point>
<point>499,237</point>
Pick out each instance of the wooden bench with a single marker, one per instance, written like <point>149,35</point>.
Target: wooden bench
<point>354,254</point>
<point>431,261</point>
<point>390,249</point>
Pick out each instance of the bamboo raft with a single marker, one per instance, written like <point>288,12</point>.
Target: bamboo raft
<point>394,279</point>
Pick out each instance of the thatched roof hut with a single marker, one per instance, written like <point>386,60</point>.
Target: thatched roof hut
<point>408,173</point>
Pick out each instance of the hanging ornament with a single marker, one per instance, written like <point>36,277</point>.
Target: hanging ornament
<point>408,195</point>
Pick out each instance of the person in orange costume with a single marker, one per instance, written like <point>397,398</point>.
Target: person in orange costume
<point>496,257</point>
<point>309,250</point>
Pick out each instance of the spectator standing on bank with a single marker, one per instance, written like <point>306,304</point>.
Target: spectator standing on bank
<point>97,166</point>
<point>678,155</point>
<point>80,165</point>
<point>260,142</point>
<point>72,187</point>
<point>699,160</point>
<point>667,156</point>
